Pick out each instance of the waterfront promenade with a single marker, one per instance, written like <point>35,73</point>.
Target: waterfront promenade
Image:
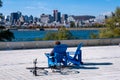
<point>100,63</point>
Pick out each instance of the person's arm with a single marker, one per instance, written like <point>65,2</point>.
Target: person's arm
<point>52,53</point>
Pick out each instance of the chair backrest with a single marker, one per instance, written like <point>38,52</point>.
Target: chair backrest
<point>60,48</point>
<point>79,47</point>
<point>78,50</point>
<point>60,52</point>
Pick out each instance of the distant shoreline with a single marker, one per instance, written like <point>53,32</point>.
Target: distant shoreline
<point>75,28</point>
<point>57,29</point>
<point>84,28</point>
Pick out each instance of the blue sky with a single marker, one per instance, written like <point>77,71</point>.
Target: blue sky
<point>71,7</point>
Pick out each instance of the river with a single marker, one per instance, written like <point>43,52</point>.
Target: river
<point>33,35</point>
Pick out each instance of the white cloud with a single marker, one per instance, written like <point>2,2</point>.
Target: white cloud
<point>43,8</point>
<point>39,5</point>
<point>107,13</point>
<point>30,7</point>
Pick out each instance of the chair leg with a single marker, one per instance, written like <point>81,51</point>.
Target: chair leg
<point>80,57</point>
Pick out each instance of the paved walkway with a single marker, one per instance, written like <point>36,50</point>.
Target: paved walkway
<point>100,63</point>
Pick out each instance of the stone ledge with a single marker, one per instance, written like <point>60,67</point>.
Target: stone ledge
<point>50,44</point>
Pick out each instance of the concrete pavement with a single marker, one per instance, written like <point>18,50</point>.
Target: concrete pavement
<point>100,63</point>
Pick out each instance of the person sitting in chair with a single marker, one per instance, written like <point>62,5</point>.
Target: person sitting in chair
<point>52,52</point>
<point>58,55</point>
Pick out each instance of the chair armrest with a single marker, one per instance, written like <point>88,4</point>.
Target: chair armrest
<point>48,55</point>
<point>70,55</point>
<point>67,53</point>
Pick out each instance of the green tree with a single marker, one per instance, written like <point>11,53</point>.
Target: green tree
<point>0,6</point>
<point>114,20</point>
<point>112,26</point>
<point>93,36</point>
<point>106,33</point>
<point>51,36</point>
<point>61,34</point>
<point>0,3</point>
<point>64,34</point>
<point>5,35</point>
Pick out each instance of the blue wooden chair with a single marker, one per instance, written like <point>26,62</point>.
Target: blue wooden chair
<point>77,58</point>
<point>60,57</point>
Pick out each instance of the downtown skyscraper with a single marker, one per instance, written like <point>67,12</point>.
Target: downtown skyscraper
<point>56,16</point>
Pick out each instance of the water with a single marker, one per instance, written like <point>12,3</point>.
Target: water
<point>32,35</point>
<point>83,34</point>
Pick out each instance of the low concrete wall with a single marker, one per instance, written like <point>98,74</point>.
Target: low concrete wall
<point>50,44</point>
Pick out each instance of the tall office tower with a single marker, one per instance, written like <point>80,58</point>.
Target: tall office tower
<point>31,19</point>
<point>19,14</point>
<point>8,18</point>
<point>26,19</point>
<point>50,19</point>
<point>2,17</point>
<point>15,17</point>
<point>44,18</point>
<point>57,16</point>
<point>21,20</point>
<point>64,18</point>
<point>36,19</point>
<point>55,12</point>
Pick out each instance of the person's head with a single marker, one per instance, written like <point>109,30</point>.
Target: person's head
<point>57,43</point>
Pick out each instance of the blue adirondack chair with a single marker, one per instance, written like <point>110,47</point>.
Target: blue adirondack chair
<point>60,57</point>
<point>77,58</point>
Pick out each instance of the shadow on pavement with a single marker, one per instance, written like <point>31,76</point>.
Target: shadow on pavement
<point>83,67</point>
<point>102,63</point>
<point>90,65</point>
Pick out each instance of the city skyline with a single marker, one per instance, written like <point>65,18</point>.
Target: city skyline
<point>71,7</point>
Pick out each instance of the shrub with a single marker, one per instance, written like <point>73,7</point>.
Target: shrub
<point>61,34</point>
<point>6,35</point>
